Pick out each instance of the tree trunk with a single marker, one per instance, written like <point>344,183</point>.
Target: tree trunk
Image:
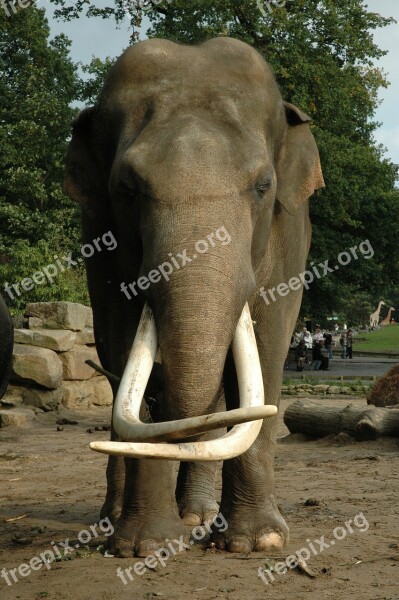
<point>362,423</point>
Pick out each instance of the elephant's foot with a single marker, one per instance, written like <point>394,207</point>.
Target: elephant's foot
<point>140,537</point>
<point>252,531</point>
<point>199,512</point>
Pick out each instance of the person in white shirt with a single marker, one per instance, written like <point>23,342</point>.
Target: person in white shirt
<point>306,336</point>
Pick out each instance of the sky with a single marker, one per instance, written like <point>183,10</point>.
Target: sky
<point>99,37</point>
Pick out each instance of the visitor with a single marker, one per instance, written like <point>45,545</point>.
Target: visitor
<point>306,336</point>
<point>349,343</point>
<point>318,341</point>
<point>328,342</point>
<point>301,354</point>
<point>343,342</point>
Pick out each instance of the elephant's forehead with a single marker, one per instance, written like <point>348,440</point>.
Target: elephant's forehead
<point>221,67</point>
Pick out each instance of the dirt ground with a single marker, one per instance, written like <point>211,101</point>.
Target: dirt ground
<point>59,482</point>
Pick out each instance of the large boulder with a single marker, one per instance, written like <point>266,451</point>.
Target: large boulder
<point>85,337</point>
<point>74,363</point>
<point>59,340</point>
<point>14,396</point>
<point>16,416</point>
<point>45,399</point>
<point>59,315</point>
<point>385,391</point>
<point>36,364</point>
<point>102,392</point>
<point>77,394</point>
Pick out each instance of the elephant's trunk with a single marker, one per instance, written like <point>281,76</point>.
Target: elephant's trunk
<point>195,331</point>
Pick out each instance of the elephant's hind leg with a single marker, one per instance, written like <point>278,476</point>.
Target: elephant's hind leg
<point>115,484</point>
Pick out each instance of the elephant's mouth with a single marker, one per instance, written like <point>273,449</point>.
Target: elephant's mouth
<point>148,439</point>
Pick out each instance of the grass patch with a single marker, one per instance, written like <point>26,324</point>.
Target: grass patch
<point>384,340</point>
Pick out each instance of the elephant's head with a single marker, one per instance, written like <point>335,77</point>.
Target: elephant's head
<point>192,153</point>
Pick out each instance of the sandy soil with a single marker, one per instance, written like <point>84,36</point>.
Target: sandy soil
<point>60,483</point>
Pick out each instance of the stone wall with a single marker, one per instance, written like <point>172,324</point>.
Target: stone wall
<point>49,361</point>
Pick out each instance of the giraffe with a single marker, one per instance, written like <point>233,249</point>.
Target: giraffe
<point>387,320</point>
<point>374,317</point>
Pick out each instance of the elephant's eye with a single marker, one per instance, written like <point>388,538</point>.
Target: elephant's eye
<point>125,188</point>
<point>262,188</point>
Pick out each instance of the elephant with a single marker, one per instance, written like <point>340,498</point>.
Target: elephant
<point>6,346</point>
<point>193,159</point>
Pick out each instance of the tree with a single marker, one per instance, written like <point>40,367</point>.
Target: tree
<point>323,56</point>
<point>38,83</point>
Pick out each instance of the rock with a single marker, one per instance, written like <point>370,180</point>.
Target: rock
<point>19,321</point>
<point>59,315</point>
<point>89,319</point>
<point>74,365</point>
<point>78,394</point>
<point>45,399</point>
<point>102,392</point>
<point>16,416</point>
<point>321,388</point>
<point>312,502</point>
<point>59,340</point>
<point>34,323</point>
<point>13,396</point>
<point>334,389</point>
<point>37,364</point>
<point>85,337</point>
<point>357,388</point>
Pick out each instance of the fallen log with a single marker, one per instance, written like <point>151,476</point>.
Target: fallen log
<point>362,423</point>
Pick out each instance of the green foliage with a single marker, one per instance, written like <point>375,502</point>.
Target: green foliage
<point>90,88</point>
<point>31,259</point>
<point>38,83</point>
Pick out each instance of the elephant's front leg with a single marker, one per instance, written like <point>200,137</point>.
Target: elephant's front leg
<point>248,495</point>
<point>248,502</point>
<point>149,512</point>
<point>195,492</point>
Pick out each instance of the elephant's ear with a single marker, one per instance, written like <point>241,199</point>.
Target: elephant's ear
<point>298,166</point>
<point>86,183</point>
<point>83,182</point>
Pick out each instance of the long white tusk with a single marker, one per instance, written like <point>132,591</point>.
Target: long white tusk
<point>134,380</point>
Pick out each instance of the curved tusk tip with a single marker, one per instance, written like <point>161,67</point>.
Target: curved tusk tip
<point>97,446</point>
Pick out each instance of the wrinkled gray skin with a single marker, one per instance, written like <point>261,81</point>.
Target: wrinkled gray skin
<point>185,140</point>
<point>6,346</point>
